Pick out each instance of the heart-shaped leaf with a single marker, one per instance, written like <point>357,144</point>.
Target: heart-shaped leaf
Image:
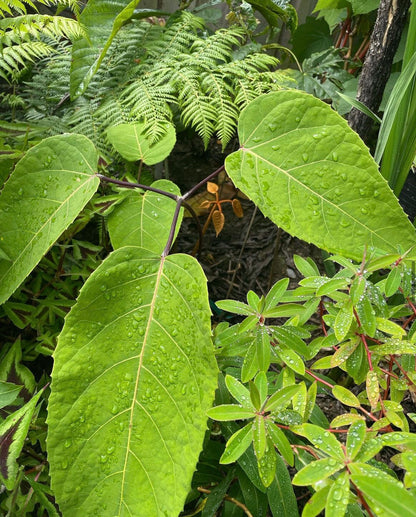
<point>134,375</point>
<point>50,185</point>
<point>314,177</point>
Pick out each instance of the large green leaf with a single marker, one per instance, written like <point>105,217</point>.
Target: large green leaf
<point>313,176</point>
<point>144,220</point>
<point>102,19</point>
<point>133,378</point>
<point>132,141</point>
<point>50,185</point>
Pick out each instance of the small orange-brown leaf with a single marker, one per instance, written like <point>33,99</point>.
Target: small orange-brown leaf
<point>237,208</point>
<point>205,204</point>
<point>212,187</point>
<point>218,221</point>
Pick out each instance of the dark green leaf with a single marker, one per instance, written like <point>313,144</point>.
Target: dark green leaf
<point>282,499</point>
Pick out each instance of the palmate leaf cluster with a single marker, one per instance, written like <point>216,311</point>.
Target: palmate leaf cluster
<point>25,38</point>
<point>156,73</point>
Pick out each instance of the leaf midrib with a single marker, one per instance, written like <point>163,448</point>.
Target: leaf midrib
<point>136,387</point>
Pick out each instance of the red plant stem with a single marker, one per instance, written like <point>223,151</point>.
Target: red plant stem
<point>362,500</point>
<point>319,379</point>
<point>399,366</point>
<point>127,184</point>
<point>364,341</point>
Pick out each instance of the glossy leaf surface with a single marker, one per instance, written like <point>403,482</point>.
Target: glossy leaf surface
<point>132,142</point>
<point>49,187</point>
<point>144,220</point>
<point>313,176</point>
<point>140,334</point>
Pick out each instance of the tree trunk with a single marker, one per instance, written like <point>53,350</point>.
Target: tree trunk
<point>391,19</point>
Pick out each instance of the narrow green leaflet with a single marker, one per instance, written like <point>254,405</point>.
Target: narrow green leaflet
<point>13,433</point>
<point>316,471</point>
<point>345,396</point>
<point>313,176</point>
<point>237,444</point>
<point>132,142</point>
<point>282,499</point>
<point>338,497</point>
<point>316,503</point>
<point>140,333</point>
<point>49,187</point>
<point>144,220</point>
<point>322,439</point>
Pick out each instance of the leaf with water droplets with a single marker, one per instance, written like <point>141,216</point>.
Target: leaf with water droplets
<point>131,140</point>
<point>385,493</point>
<point>321,439</point>
<point>338,497</point>
<point>49,187</point>
<point>134,376</point>
<point>314,177</point>
<point>317,471</point>
<point>144,220</point>
<point>345,396</point>
<point>372,388</point>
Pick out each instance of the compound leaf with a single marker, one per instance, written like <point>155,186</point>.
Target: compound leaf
<point>313,176</point>
<point>134,375</point>
<point>50,185</point>
<point>144,220</point>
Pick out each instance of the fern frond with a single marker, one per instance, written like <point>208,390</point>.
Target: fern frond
<point>197,110</point>
<point>221,94</point>
<point>16,56</point>
<point>244,92</point>
<point>35,26</point>
<point>13,6</point>
<point>148,101</point>
<point>218,47</point>
<point>179,34</point>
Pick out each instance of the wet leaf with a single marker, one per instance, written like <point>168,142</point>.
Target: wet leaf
<point>49,187</point>
<point>237,444</point>
<point>355,438</point>
<point>131,140</point>
<point>373,388</point>
<point>144,220</point>
<point>338,497</point>
<point>306,170</point>
<point>317,471</point>
<point>139,333</point>
<point>345,396</point>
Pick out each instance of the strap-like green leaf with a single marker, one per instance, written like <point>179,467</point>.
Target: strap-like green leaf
<point>13,433</point>
<point>133,378</point>
<point>144,220</point>
<point>49,187</point>
<point>102,20</point>
<point>133,143</point>
<point>313,176</point>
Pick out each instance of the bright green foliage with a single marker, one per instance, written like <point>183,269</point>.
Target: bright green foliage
<point>102,21</point>
<point>312,175</point>
<point>13,431</point>
<point>48,188</point>
<point>28,37</point>
<point>140,336</point>
<point>132,142</point>
<point>144,220</point>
